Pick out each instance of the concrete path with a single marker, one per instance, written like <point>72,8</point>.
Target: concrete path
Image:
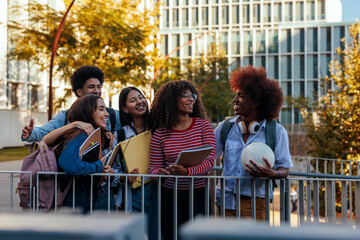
<point>9,200</point>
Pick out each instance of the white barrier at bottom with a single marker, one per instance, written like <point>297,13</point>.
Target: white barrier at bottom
<point>52,226</point>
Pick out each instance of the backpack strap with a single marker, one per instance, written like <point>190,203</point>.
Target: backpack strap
<point>121,137</point>
<point>112,118</point>
<point>270,137</point>
<point>270,134</point>
<point>225,129</point>
<point>66,116</point>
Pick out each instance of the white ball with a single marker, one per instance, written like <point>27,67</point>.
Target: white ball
<point>256,151</point>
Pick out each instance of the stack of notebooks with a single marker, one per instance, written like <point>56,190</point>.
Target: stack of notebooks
<point>90,150</point>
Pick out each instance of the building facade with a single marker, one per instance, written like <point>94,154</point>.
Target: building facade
<point>294,40</point>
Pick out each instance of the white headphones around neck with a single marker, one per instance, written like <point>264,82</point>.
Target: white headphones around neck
<point>253,127</point>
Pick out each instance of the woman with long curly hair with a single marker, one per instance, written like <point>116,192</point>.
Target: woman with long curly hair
<point>257,104</point>
<point>179,122</point>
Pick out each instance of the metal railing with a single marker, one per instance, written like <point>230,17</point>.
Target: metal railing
<point>321,197</point>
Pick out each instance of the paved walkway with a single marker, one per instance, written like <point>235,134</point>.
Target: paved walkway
<point>5,184</point>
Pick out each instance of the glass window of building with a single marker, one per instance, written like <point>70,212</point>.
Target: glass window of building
<point>187,48</point>
<point>299,66</point>
<point>184,2</point>
<point>235,14</point>
<point>164,44</point>
<point>175,2</point>
<point>311,41</point>
<point>12,95</point>
<point>260,41</point>
<point>194,2</point>
<point>165,18</point>
<point>299,40</point>
<point>204,2</point>
<point>195,16</point>
<point>273,41</point>
<point>310,10</point>
<point>267,12</point>
<point>235,43</point>
<point>277,12</point>
<point>248,48</point>
<point>312,66</point>
<point>256,13</point>
<point>224,41</point>
<point>288,11</point>
<point>321,9</point>
<point>185,17</point>
<point>260,61</point>
<point>285,42</point>
<point>299,11</point>
<point>167,3</point>
<point>298,119</point>
<point>175,42</point>
<point>32,100</point>
<point>247,61</point>
<point>175,17</point>
<point>312,90</point>
<point>286,87</point>
<point>205,16</point>
<point>299,89</point>
<point>246,14</point>
<point>273,67</point>
<point>285,67</point>
<point>214,1</point>
<point>339,33</point>
<point>325,39</point>
<point>324,64</point>
<point>225,15</point>
<point>286,116</point>
<point>235,64</point>
<point>215,15</point>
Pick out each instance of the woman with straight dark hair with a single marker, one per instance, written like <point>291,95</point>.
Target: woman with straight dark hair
<point>134,117</point>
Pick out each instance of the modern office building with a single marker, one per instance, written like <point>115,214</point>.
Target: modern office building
<point>294,40</point>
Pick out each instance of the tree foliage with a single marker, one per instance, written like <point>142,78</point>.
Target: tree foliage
<point>211,75</point>
<point>115,35</point>
<point>333,127</point>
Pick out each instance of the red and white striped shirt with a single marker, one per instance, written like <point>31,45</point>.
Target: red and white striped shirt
<point>165,148</point>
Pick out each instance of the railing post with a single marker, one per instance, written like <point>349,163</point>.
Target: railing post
<point>287,201</point>
<point>357,202</point>
<point>301,200</point>
<point>237,199</point>
<point>308,201</point>
<point>282,201</point>
<point>344,201</point>
<point>267,200</point>
<point>316,200</point>
<point>330,199</point>
<point>253,199</point>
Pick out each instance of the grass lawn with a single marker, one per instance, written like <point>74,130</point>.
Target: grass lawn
<point>16,153</point>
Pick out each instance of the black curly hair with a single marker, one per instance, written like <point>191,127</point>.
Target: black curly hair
<point>164,109</point>
<point>82,74</point>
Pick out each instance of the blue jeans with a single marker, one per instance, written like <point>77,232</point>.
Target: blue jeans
<point>150,207</point>
<point>102,199</point>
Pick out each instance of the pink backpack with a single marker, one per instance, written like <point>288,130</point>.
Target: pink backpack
<point>41,160</point>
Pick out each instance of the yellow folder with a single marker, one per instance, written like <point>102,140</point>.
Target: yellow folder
<point>136,152</point>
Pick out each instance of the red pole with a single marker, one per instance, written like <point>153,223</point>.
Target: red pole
<point>56,40</point>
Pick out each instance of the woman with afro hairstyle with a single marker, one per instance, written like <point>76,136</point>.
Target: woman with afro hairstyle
<point>257,100</point>
<point>179,122</point>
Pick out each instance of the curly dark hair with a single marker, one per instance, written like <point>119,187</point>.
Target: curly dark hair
<point>126,118</point>
<point>164,109</point>
<point>82,74</point>
<point>262,90</point>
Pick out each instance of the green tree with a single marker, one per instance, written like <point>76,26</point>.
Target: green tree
<point>211,75</point>
<point>333,125</point>
<point>114,35</point>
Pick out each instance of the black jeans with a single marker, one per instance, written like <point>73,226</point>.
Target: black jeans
<point>167,209</point>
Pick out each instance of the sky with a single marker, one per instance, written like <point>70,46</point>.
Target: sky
<point>350,10</point>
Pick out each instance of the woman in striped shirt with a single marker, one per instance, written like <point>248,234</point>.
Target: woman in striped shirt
<point>179,122</point>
